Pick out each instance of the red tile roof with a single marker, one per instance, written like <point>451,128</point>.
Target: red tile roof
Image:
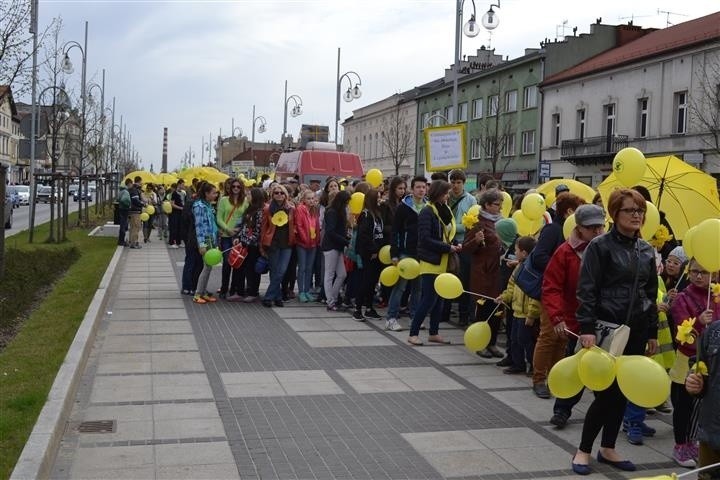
<point>677,37</point>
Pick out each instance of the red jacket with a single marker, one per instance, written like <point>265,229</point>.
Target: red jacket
<point>690,303</point>
<point>307,227</point>
<point>559,286</point>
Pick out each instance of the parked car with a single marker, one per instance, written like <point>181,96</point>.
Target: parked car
<point>43,195</point>
<point>8,212</point>
<point>22,192</point>
<point>89,194</point>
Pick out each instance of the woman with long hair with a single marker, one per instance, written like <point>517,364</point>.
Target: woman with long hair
<point>277,240</point>
<point>307,226</point>
<point>436,230</point>
<point>334,241</point>
<point>206,231</point>
<point>370,238</point>
<point>230,209</point>
<point>249,235</point>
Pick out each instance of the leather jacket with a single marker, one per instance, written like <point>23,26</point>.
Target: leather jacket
<point>607,275</point>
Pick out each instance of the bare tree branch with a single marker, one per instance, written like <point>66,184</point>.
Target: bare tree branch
<point>705,104</point>
<point>397,137</point>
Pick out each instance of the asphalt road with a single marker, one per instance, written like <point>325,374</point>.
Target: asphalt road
<point>21,216</point>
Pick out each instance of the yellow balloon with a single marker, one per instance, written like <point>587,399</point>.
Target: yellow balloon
<point>477,336</point>
<point>597,370</point>
<point>448,286</point>
<point>705,244</point>
<point>356,202</point>
<point>687,242</point>
<point>533,206</point>
<point>652,221</point>
<point>167,207</point>
<point>525,226</point>
<point>389,276</point>
<point>569,226</point>
<point>144,217</point>
<point>384,255</point>
<point>563,379</point>
<point>374,177</point>
<point>506,205</point>
<point>474,210</point>
<point>643,381</point>
<point>629,166</point>
<point>150,210</point>
<point>409,268</point>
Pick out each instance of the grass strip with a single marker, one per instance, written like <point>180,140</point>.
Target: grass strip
<point>31,360</point>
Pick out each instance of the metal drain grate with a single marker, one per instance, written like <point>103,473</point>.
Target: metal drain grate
<point>97,426</point>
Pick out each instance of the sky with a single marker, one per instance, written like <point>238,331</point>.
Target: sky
<point>196,67</point>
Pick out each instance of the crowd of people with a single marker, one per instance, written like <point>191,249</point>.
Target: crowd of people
<point>315,250</point>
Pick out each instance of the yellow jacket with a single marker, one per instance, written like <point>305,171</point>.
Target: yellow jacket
<point>523,306</point>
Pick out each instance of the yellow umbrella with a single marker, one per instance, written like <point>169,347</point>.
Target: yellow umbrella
<point>147,177</point>
<point>165,179</point>
<point>578,188</point>
<point>686,195</point>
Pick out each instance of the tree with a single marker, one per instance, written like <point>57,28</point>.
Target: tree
<point>497,133</point>
<point>16,45</point>
<point>397,138</point>
<point>705,104</point>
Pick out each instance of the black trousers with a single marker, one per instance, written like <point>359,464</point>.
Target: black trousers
<point>369,276</point>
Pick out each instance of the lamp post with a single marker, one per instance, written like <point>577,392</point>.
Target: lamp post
<point>67,67</point>
<point>260,129</point>
<point>351,94</point>
<point>471,30</point>
<point>296,110</point>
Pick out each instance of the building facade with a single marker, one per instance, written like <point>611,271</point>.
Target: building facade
<point>658,93</point>
<point>10,135</point>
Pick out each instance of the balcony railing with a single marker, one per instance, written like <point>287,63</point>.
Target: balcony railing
<point>589,149</point>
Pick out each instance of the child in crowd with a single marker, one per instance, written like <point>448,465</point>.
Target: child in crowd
<point>526,312</point>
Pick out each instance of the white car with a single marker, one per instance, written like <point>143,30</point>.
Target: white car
<point>22,191</point>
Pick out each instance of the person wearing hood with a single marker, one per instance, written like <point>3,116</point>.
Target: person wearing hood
<point>123,211</point>
<point>559,299</point>
<point>403,243</point>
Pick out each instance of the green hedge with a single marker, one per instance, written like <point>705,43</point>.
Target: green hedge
<point>29,273</point>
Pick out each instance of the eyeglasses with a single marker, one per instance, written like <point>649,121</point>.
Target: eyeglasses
<point>639,212</point>
<point>699,273</point>
<point>279,193</point>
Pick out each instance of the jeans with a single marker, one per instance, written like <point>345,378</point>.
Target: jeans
<point>305,260</point>
<point>161,221</point>
<point>522,340</point>
<point>288,281</point>
<point>335,275</point>
<point>429,302</point>
<point>397,293</point>
<point>191,270</point>
<point>147,227</point>
<point>175,227</point>
<point>248,278</point>
<point>279,259</point>
<point>123,216</point>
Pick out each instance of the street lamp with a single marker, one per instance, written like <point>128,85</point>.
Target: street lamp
<point>260,129</point>
<point>471,30</point>
<point>296,110</point>
<point>490,20</point>
<point>67,67</point>
<point>353,92</point>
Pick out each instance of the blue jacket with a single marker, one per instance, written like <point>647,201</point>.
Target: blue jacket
<point>404,239</point>
<point>205,225</point>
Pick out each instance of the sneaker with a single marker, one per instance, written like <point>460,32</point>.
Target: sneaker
<point>634,433</point>
<point>559,419</point>
<point>541,390</point>
<point>485,353</point>
<point>505,362</point>
<point>302,296</point>
<point>332,307</point>
<point>358,316</point>
<point>645,429</point>
<point>392,324</point>
<point>199,299</point>
<point>174,245</point>
<point>682,455</point>
<point>371,313</point>
<point>209,297</point>
<point>694,449</point>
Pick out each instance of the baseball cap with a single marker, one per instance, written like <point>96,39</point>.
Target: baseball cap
<point>561,188</point>
<point>589,215</point>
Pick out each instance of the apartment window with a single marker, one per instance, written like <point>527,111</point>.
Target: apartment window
<point>493,102</point>
<point>449,113</point>
<point>477,108</point>
<point>555,129</point>
<point>610,119</point>
<point>530,97</point>
<point>425,118</point>
<point>511,101</point>
<point>462,112</point>
<point>509,147</point>
<point>581,124</point>
<point>642,130</point>
<point>680,109</point>
<point>436,118</point>
<point>490,148</point>
<point>475,148</point>
<point>528,142</point>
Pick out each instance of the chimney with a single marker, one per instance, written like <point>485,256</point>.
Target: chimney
<point>164,154</point>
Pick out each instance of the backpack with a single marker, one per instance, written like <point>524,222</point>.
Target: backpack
<point>124,200</point>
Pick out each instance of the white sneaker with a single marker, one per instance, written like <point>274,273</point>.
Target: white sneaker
<point>392,324</point>
<point>173,245</point>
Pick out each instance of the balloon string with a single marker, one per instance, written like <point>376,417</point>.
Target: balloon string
<point>593,347</point>
<point>708,295</point>
<point>493,312</point>
<point>485,297</point>
<point>697,470</point>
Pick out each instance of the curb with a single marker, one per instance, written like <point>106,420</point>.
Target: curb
<point>41,447</point>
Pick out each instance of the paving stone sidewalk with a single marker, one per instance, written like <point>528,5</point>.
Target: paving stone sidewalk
<point>231,390</point>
